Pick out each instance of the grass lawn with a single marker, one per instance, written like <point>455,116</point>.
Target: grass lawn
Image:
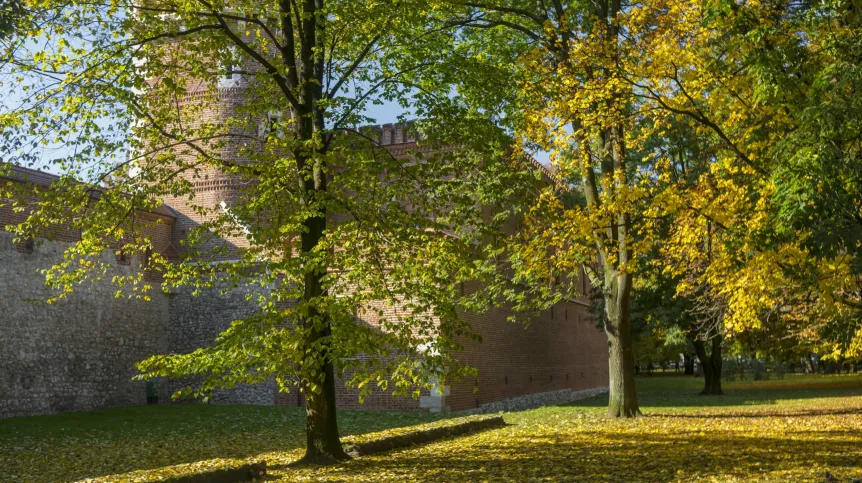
<point>783,431</point>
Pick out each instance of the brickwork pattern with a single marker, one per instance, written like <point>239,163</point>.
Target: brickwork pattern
<point>560,349</point>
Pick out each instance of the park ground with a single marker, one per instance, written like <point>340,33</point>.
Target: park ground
<point>787,430</point>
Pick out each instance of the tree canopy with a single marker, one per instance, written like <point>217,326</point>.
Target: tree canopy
<point>709,137</point>
<point>324,228</point>
<point>707,149</point>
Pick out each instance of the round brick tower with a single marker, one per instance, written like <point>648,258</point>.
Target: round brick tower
<point>213,189</point>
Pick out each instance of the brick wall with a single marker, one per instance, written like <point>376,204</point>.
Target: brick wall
<point>211,186</point>
<point>158,225</point>
<point>559,349</point>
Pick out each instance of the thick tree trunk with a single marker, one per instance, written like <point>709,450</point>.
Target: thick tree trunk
<point>711,365</point>
<point>321,425</point>
<point>612,240</point>
<point>622,398</point>
<point>322,439</point>
<point>323,444</point>
<point>688,362</point>
<point>302,86</point>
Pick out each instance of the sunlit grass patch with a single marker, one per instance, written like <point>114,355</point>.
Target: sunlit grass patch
<point>151,440</point>
<point>771,431</point>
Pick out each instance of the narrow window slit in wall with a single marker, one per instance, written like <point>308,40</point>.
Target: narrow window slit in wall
<point>26,246</point>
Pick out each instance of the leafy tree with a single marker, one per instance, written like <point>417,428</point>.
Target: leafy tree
<point>601,85</point>
<point>10,13</point>
<point>690,322</point>
<point>722,132</point>
<point>768,86</point>
<point>563,93</point>
<point>326,226</point>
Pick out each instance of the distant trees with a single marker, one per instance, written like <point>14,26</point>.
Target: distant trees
<point>708,136</point>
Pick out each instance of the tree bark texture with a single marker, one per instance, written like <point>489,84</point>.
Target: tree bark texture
<point>323,444</point>
<point>688,362</point>
<point>622,396</point>
<point>711,364</point>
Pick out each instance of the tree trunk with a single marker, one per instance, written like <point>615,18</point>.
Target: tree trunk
<point>711,365</point>
<point>807,366</point>
<point>688,362</point>
<point>622,398</point>
<point>323,444</point>
<point>302,86</point>
<point>612,240</point>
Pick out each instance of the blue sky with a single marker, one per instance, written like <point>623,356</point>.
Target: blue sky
<point>383,113</point>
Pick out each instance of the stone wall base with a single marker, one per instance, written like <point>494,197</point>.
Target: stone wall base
<point>531,401</point>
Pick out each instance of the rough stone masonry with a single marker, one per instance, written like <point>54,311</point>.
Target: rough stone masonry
<point>80,353</point>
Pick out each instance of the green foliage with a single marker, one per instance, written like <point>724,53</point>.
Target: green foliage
<point>11,12</point>
<point>325,229</point>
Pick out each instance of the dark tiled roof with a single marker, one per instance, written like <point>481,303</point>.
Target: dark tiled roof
<point>26,175</point>
<point>20,173</point>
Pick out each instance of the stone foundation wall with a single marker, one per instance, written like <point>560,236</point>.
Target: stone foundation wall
<point>79,353</point>
<point>195,322</point>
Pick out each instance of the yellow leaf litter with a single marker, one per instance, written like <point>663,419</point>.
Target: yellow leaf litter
<point>776,431</point>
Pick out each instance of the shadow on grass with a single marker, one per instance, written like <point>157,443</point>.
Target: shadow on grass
<point>784,413</point>
<point>74,446</point>
<point>684,393</point>
<point>614,457</point>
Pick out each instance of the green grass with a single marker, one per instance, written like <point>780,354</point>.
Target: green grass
<point>783,431</point>
<point>669,391</point>
<point>74,446</point>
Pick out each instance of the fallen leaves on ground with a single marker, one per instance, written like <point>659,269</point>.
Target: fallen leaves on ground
<point>769,434</point>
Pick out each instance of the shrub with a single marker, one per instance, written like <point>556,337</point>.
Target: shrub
<point>758,370</point>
